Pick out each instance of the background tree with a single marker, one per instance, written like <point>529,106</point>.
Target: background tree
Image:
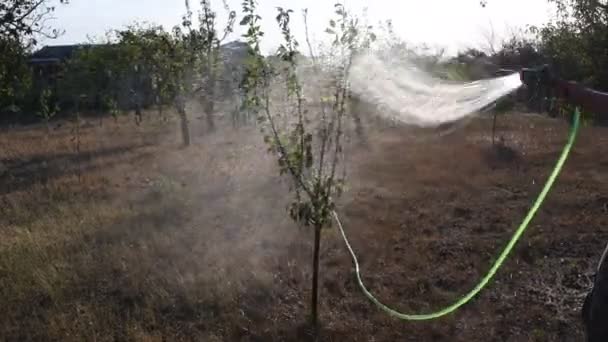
<point>15,77</point>
<point>575,42</point>
<point>21,22</point>
<point>93,76</point>
<point>162,67</point>
<point>24,19</point>
<point>146,56</point>
<point>205,42</point>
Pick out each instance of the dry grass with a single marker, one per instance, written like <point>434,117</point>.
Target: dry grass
<point>137,239</point>
<point>134,238</point>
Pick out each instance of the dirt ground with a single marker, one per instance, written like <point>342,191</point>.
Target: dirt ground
<point>137,239</point>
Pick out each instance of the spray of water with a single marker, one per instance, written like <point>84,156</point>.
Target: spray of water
<point>409,95</point>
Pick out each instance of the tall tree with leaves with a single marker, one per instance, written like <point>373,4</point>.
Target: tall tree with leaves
<point>21,22</point>
<point>24,19</point>
<point>205,42</point>
<point>147,50</point>
<point>161,67</point>
<point>576,42</point>
<point>15,78</point>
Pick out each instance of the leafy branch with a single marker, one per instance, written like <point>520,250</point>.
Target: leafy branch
<point>308,153</point>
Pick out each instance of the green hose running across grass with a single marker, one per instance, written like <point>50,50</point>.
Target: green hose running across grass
<point>501,258</point>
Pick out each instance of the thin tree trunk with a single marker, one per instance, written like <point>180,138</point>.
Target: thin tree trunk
<point>315,280</point>
<point>100,113</point>
<point>210,89</point>
<point>138,116</point>
<point>77,144</point>
<point>161,115</point>
<point>356,107</point>
<point>494,128</point>
<point>210,101</point>
<point>185,129</point>
<point>359,126</point>
<point>209,107</point>
<point>236,121</point>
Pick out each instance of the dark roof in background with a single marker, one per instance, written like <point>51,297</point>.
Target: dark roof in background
<point>234,51</point>
<point>57,53</point>
<point>235,45</point>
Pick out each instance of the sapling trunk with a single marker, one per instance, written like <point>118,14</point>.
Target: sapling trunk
<point>138,116</point>
<point>76,141</point>
<point>359,127</point>
<point>184,124</point>
<point>315,279</point>
<point>159,108</point>
<point>494,129</point>
<point>209,108</point>
<point>315,188</point>
<point>100,113</point>
<point>180,106</point>
<point>210,96</point>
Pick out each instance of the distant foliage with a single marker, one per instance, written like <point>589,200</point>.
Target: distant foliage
<point>574,43</point>
<point>24,19</point>
<point>15,77</point>
<point>21,22</point>
<point>135,68</point>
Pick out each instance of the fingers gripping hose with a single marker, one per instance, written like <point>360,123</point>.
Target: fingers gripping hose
<point>497,264</point>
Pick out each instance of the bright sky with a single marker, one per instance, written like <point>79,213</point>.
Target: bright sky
<point>448,23</point>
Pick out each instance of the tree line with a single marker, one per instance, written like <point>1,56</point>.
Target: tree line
<point>143,66</point>
<point>135,68</point>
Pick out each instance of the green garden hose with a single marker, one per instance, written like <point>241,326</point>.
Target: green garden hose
<point>501,258</point>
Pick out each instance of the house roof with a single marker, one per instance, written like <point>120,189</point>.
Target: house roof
<point>59,53</point>
<point>56,53</point>
<point>235,45</point>
<point>235,50</point>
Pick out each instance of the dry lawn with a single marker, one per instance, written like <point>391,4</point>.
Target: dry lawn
<point>137,239</point>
